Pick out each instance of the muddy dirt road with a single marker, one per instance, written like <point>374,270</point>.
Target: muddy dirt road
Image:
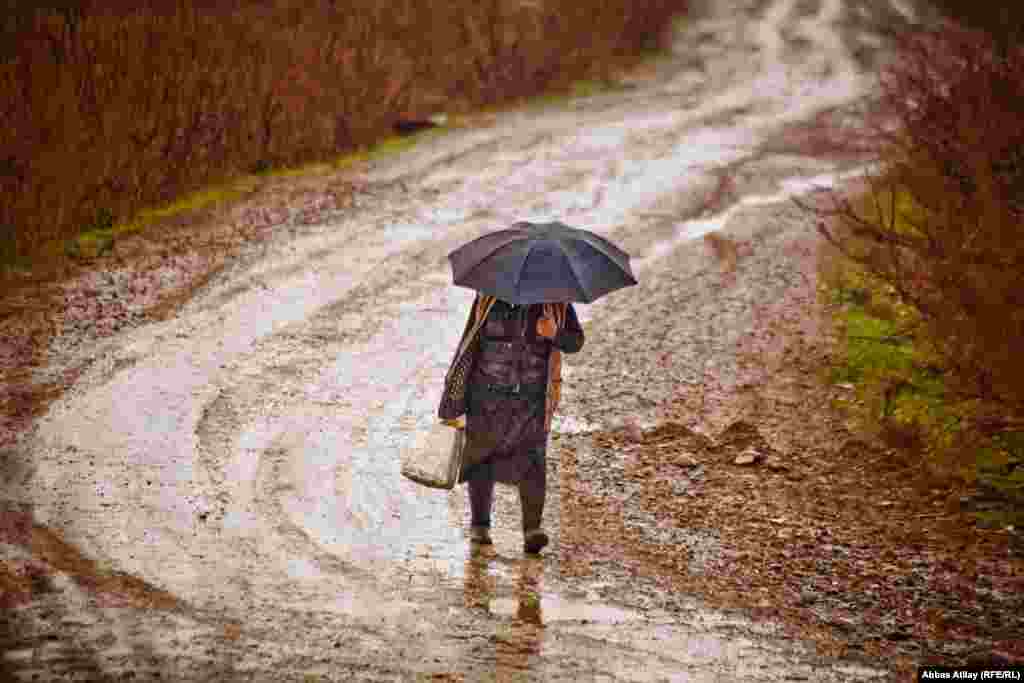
<point>242,459</point>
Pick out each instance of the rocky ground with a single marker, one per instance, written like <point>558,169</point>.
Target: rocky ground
<point>749,489</point>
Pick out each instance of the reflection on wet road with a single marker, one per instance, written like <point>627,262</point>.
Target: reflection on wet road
<point>244,457</point>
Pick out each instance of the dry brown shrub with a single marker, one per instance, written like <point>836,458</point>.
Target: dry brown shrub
<point>944,220</point>
<point>118,105</point>
<point>1002,21</point>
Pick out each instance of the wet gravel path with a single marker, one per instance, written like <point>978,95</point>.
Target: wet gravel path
<point>224,483</point>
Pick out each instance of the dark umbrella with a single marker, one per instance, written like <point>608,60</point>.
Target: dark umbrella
<point>532,263</point>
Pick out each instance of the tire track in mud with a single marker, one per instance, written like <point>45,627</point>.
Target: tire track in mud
<point>298,542</point>
<point>292,357</point>
<point>212,438</point>
<point>215,432</point>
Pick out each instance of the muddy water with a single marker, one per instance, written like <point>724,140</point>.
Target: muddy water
<point>244,457</point>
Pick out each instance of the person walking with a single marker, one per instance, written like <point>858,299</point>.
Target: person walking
<point>504,382</point>
<point>513,389</point>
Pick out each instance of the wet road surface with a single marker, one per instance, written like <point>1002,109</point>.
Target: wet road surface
<point>244,457</point>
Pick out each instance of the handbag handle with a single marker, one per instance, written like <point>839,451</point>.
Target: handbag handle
<point>485,303</point>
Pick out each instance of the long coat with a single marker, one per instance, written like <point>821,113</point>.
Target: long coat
<point>502,424</point>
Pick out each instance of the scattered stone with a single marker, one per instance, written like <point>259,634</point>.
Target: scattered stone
<point>748,457</point>
<point>739,431</point>
<point>683,459</point>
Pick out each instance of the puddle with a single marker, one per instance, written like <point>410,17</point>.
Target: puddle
<point>553,608</point>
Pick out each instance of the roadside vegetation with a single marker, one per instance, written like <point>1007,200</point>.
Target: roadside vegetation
<point>121,107</point>
<point>924,270</point>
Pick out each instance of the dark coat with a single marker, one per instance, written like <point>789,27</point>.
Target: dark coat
<point>499,425</point>
<point>511,352</point>
<point>456,381</point>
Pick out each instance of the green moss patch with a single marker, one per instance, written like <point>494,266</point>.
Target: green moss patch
<point>904,397</point>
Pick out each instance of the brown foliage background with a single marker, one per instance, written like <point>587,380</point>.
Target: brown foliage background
<point>113,106</point>
<point>945,216</point>
<point>1003,22</point>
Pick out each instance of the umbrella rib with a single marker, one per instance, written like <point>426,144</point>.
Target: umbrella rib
<point>482,262</point>
<point>479,260</point>
<point>575,276</point>
<point>522,267</point>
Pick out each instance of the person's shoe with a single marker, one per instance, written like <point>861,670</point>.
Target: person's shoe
<point>480,534</point>
<point>534,541</point>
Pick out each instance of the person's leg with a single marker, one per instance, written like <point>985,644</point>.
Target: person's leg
<point>481,500</point>
<point>532,491</point>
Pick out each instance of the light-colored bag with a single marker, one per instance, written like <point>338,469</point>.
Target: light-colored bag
<point>435,457</point>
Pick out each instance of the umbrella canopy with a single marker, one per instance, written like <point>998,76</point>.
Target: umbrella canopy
<point>532,263</point>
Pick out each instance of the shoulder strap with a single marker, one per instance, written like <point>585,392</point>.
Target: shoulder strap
<point>482,306</point>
